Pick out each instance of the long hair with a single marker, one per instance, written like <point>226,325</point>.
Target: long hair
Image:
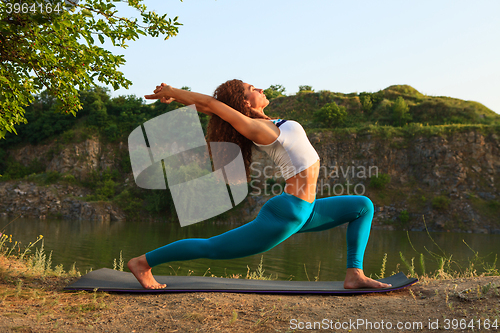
<point>232,93</point>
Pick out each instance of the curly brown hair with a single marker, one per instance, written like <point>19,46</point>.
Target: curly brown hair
<point>232,93</point>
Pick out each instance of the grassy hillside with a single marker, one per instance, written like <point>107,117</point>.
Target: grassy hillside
<point>365,109</point>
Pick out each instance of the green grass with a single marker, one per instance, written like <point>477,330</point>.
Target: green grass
<point>448,268</point>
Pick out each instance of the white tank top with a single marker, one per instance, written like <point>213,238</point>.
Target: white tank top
<point>291,151</point>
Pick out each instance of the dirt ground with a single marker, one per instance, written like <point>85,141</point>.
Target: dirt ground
<point>30,303</point>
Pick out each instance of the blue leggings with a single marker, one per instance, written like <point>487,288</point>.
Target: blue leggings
<point>279,218</point>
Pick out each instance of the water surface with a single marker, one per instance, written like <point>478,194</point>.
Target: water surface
<point>93,245</point>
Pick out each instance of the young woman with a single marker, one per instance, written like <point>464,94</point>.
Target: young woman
<point>237,115</point>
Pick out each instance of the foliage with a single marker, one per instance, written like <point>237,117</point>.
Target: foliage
<point>104,185</point>
<point>366,101</point>
<point>274,91</point>
<point>400,111</point>
<point>15,170</point>
<point>43,122</point>
<point>40,50</point>
<point>112,118</point>
<point>440,202</point>
<point>160,202</point>
<point>380,180</point>
<point>404,217</point>
<point>306,89</point>
<point>331,115</point>
<point>376,109</point>
<point>128,202</point>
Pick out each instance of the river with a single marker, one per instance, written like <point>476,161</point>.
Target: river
<point>93,245</point>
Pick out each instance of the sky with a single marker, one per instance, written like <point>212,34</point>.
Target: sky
<point>440,48</point>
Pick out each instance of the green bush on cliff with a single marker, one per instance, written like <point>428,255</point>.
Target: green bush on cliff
<point>366,101</point>
<point>404,217</point>
<point>400,112</point>
<point>379,181</point>
<point>331,115</point>
<point>440,202</point>
<point>128,203</point>
<point>16,170</point>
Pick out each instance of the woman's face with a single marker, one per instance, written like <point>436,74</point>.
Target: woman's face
<point>255,97</point>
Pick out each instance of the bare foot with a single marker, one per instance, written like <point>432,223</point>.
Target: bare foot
<point>356,279</point>
<point>142,272</point>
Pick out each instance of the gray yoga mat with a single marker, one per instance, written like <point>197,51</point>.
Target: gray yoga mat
<point>110,280</point>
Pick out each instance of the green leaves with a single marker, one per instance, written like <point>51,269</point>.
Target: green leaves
<point>400,112</point>
<point>86,13</point>
<point>331,115</point>
<point>40,50</point>
<point>274,91</point>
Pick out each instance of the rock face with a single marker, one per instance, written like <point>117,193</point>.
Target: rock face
<point>26,199</point>
<point>77,159</point>
<point>461,169</point>
<point>450,180</point>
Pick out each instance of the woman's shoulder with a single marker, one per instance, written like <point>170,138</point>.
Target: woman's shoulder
<point>278,122</point>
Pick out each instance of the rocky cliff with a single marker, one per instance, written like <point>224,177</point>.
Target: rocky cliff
<point>449,180</point>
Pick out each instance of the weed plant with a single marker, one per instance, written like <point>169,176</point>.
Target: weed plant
<point>448,268</point>
<point>37,262</point>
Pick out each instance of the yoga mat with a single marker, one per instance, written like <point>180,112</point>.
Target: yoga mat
<point>110,280</point>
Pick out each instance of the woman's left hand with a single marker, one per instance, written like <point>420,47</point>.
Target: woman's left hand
<point>161,93</point>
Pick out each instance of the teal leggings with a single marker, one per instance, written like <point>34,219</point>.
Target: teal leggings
<point>279,218</point>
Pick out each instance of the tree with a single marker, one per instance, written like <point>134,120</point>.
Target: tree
<point>274,91</point>
<point>306,89</point>
<point>366,101</point>
<point>331,115</point>
<point>41,49</point>
<point>400,111</point>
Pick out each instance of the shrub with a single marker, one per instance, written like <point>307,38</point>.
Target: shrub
<point>495,204</point>
<point>270,182</point>
<point>69,178</point>
<point>68,136</point>
<point>331,115</point>
<point>400,111</point>
<point>52,177</point>
<point>326,96</point>
<point>129,203</point>
<point>380,181</point>
<point>440,202</point>
<point>305,89</point>
<point>107,189</point>
<point>404,217</point>
<point>366,101</point>
<point>274,91</point>
<point>112,132</point>
<point>16,170</point>
<point>97,113</point>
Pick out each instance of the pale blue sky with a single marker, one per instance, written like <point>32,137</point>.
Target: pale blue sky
<point>441,48</point>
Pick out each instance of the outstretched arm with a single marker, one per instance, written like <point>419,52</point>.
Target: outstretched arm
<point>191,98</point>
<point>252,129</point>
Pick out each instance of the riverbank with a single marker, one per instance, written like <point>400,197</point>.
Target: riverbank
<point>32,300</point>
<point>69,201</point>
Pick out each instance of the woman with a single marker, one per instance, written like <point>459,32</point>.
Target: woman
<point>237,113</point>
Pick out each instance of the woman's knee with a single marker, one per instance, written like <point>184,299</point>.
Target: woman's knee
<point>367,203</point>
